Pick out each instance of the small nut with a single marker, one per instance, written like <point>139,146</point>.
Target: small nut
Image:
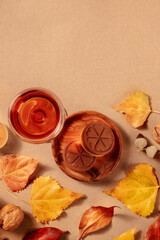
<point>11,217</point>
<point>151,151</point>
<point>140,143</point>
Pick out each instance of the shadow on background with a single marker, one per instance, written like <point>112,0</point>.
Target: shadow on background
<point>13,144</point>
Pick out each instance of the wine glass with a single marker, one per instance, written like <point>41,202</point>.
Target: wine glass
<point>36,115</point>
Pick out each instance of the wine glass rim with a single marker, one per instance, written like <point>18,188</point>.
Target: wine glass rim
<point>59,125</point>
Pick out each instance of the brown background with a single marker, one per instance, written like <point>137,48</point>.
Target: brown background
<point>92,54</point>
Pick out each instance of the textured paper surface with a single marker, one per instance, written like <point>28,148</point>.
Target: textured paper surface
<point>92,54</point>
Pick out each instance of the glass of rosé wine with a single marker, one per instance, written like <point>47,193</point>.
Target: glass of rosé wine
<point>36,115</point>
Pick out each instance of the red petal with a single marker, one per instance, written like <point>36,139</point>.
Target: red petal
<point>153,232</point>
<point>46,233</point>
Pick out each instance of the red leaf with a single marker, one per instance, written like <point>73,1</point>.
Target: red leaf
<point>153,232</point>
<point>46,233</point>
<point>94,219</point>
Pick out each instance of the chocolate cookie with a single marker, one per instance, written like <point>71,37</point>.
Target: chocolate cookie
<point>77,158</point>
<point>98,139</point>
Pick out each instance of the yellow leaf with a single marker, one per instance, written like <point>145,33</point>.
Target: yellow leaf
<point>48,199</point>
<point>127,236</point>
<point>138,190</point>
<point>136,107</point>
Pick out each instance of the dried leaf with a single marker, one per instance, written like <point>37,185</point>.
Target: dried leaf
<point>16,170</point>
<point>48,199</point>
<point>136,107</point>
<point>138,190</point>
<point>153,232</point>
<point>94,219</point>
<point>46,233</point>
<point>156,133</point>
<point>127,236</point>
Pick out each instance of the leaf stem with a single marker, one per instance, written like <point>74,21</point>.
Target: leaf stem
<point>155,111</point>
<point>22,199</point>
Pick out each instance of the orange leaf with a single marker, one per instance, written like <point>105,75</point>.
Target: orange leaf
<point>94,219</point>
<point>136,107</point>
<point>16,170</point>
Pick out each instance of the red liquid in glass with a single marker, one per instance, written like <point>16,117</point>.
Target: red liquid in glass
<point>35,114</point>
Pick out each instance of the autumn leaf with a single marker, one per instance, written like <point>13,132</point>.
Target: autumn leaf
<point>16,170</point>
<point>138,190</point>
<point>48,199</point>
<point>136,107</point>
<point>127,236</point>
<point>153,231</point>
<point>94,219</point>
<point>46,233</point>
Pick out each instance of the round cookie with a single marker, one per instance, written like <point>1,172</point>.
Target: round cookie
<point>77,159</point>
<point>98,139</point>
